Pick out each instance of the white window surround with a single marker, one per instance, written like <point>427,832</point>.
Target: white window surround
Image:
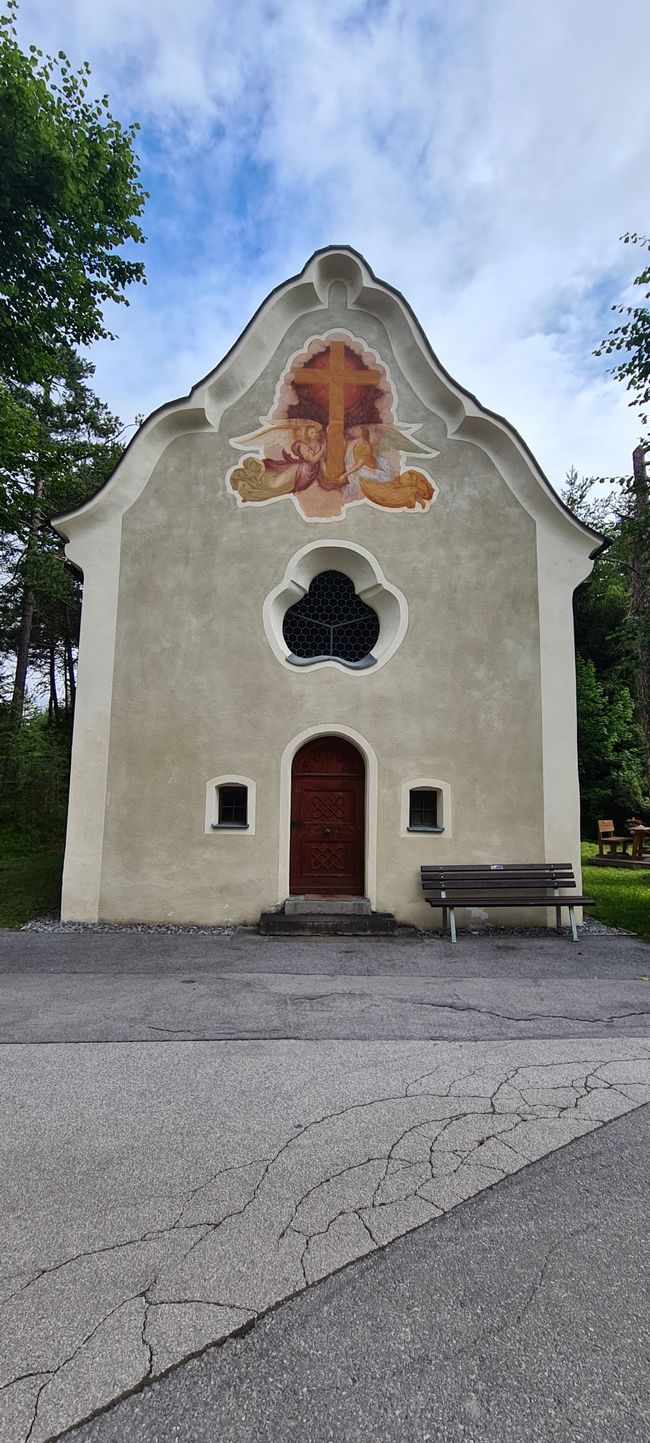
<point>426,784</point>
<point>370,584</point>
<point>212,805</point>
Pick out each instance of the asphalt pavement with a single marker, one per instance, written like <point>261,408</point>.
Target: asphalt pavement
<point>199,1129</point>
<point>520,1317</point>
<point>116,986</point>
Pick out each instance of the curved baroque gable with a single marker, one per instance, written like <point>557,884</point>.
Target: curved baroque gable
<point>326,431</point>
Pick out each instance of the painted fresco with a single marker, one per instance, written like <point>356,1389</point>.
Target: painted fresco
<point>332,438</point>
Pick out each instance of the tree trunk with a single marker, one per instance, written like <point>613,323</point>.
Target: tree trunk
<point>69,662</point>
<point>54,709</point>
<point>22,662</point>
<point>26,621</point>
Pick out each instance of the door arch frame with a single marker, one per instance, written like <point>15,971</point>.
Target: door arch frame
<point>372,771</point>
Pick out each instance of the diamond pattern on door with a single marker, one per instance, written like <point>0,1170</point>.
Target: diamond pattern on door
<point>327,809</point>
<point>327,858</point>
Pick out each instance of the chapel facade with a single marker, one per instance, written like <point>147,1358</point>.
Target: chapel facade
<point>327,630</point>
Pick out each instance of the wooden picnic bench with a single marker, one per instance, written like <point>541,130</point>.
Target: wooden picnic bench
<point>502,884</point>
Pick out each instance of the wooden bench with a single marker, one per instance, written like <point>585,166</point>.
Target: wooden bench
<point>606,838</point>
<point>502,884</point>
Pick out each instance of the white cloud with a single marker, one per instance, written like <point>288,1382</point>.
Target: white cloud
<point>484,158</point>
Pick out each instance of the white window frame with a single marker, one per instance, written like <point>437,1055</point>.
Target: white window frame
<point>426,784</point>
<point>212,825</point>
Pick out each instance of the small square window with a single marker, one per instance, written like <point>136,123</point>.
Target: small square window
<point>423,809</point>
<point>233,807</point>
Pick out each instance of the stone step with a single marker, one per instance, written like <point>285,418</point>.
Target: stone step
<point>332,924</point>
<point>327,906</point>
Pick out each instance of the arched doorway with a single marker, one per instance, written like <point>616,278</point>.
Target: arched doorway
<point>327,819</point>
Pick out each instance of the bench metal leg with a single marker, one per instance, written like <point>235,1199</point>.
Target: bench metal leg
<point>558,919</point>
<point>572,919</point>
<point>452,923</point>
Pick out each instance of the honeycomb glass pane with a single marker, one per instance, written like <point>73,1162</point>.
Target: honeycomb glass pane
<point>331,620</point>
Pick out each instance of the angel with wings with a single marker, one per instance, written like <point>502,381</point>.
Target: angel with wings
<point>302,446</point>
<point>372,468</point>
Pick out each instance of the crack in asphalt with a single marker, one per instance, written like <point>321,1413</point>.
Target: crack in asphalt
<point>492,1332</point>
<point>146,1237</point>
<point>510,1016</point>
<point>54,1372</point>
<point>301,1131</point>
<point>145,1341</point>
<point>152,1028</point>
<point>516,1100</point>
<point>540,1280</point>
<point>193,1033</point>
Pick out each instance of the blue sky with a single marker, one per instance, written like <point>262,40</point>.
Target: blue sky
<point>484,158</point>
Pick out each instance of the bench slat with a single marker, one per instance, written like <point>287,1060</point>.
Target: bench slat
<point>481,899</point>
<point>499,879</point>
<point>497,866</point>
<point>510,876</point>
<point>495,876</point>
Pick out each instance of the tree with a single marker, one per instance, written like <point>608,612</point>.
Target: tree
<point>70,199</point>
<point>632,338</point>
<point>611,750</point>
<point>604,630</point>
<point>34,807</point>
<point>68,444</point>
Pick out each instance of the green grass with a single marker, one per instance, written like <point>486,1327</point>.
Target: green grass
<point>30,882</point>
<point>622,894</point>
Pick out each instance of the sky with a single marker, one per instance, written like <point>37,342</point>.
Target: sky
<point>485,156</point>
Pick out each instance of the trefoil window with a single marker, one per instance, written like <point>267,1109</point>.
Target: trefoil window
<point>331,622</point>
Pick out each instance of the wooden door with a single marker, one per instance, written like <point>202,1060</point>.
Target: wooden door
<point>327,819</point>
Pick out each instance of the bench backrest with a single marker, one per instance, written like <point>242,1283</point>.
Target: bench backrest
<point>497,877</point>
<point>604,828</point>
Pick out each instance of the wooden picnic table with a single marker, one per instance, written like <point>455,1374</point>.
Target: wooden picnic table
<point>639,835</point>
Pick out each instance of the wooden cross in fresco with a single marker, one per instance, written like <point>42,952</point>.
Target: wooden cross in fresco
<point>335,377</point>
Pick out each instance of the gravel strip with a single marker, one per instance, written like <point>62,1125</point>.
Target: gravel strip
<point>53,923</point>
<point>590,925</point>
